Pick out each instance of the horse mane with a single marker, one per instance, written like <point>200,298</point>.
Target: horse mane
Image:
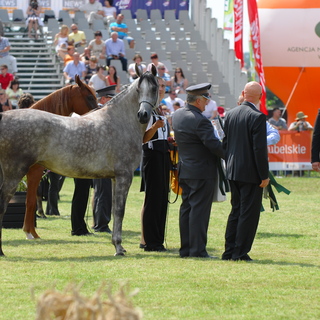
<point>150,77</point>
<point>56,102</point>
<point>135,85</point>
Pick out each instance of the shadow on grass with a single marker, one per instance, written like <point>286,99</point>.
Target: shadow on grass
<point>278,235</point>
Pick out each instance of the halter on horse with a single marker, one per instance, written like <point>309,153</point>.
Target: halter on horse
<point>78,98</point>
<point>108,142</point>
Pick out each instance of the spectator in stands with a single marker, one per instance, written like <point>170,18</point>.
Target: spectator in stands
<point>176,105</point>
<point>178,82</point>
<point>33,18</point>
<point>93,10</point>
<point>91,68</point>
<point>98,80</point>
<point>76,37</point>
<point>5,103</point>
<point>113,79</point>
<point>211,110</point>
<point>165,76</point>
<point>74,67</point>
<point>14,92</point>
<point>155,60</point>
<point>110,12</point>
<point>61,41</point>
<point>25,101</point>
<point>122,30</point>
<point>5,77</point>
<point>171,99</point>
<point>85,56</point>
<point>276,121</point>
<point>69,56</point>
<point>115,50</point>
<point>300,124</point>
<point>137,59</point>
<point>97,46</point>
<point>5,57</point>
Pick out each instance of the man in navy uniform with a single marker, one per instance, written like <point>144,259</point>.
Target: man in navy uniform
<point>103,192</point>
<point>199,153</point>
<point>102,201</point>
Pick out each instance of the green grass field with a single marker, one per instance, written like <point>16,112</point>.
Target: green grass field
<point>283,281</point>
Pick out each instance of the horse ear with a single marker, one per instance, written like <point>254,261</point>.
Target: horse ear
<point>153,70</point>
<point>78,81</point>
<point>138,71</point>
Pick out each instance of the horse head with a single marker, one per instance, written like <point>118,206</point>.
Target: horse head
<point>148,93</point>
<point>87,94</point>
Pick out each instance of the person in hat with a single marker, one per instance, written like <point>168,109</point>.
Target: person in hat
<point>300,124</point>
<point>276,121</point>
<point>102,201</point>
<point>247,169</point>
<point>81,192</point>
<point>105,94</point>
<point>199,153</point>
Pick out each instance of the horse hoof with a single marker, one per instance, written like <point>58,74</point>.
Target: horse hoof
<point>29,236</point>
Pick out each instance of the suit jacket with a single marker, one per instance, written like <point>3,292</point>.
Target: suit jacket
<point>315,149</point>
<point>245,144</point>
<point>199,149</point>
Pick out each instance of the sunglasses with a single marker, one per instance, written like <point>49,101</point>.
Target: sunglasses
<point>74,29</point>
<point>177,71</point>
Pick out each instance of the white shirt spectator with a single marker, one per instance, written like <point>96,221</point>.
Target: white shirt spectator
<point>170,100</point>
<point>210,111</point>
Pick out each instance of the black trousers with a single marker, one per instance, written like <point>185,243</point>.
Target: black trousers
<point>155,168</point>
<point>102,204</point>
<point>56,183</point>
<point>79,206</point>
<point>197,196</point>
<point>243,220</point>
<point>123,60</point>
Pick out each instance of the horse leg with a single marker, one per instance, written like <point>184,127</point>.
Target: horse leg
<point>120,189</point>
<point>39,203</point>
<point>33,178</point>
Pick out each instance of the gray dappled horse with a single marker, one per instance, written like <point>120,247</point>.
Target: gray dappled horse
<point>101,144</point>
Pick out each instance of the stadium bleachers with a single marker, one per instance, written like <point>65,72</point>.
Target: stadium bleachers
<point>175,40</point>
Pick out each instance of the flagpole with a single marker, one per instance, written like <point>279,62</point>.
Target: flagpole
<point>292,91</point>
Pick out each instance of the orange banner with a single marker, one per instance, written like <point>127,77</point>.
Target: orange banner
<point>292,152</point>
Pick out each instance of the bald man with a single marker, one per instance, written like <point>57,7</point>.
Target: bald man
<point>247,169</point>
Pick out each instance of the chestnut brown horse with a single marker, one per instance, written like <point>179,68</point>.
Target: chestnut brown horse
<point>78,98</point>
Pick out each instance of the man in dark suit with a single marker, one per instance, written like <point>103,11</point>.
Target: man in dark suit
<point>245,145</point>
<point>102,198</point>
<point>315,149</point>
<point>199,152</point>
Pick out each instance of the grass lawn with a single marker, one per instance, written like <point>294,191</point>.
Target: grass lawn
<point>283,281</point>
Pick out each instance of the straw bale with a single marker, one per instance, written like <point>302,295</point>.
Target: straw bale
<point>71,305</point>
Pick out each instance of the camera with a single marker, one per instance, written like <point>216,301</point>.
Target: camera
<point>34,5</point>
